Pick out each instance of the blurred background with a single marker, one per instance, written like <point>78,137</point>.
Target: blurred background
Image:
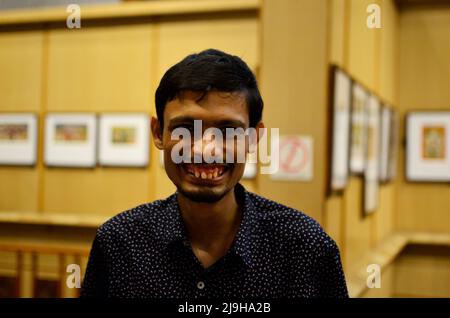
<point>113,63</point>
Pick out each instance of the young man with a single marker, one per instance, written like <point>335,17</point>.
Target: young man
<point>211,238</point>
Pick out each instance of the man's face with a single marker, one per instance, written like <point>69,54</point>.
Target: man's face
<point>204,182</point>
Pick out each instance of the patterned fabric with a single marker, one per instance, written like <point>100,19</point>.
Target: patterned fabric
<point>278,252</point>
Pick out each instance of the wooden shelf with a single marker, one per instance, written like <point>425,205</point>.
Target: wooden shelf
<point>52,219</point>
<point>385,254</point>
<point>45,248</point>
<point>126,10</point>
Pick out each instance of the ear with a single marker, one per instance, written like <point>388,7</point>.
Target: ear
<point>252,142</point>
<point>259,130</point>
<point>157,133</point>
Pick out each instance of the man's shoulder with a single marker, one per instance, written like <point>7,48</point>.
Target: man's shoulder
<point>140,216</point>
<point>291,224</point>
<point>282,214</point>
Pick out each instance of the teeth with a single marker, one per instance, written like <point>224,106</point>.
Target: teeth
<point>208,174</point>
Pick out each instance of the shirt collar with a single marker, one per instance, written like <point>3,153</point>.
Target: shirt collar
<point>244,243</point>
<point>173,228</point>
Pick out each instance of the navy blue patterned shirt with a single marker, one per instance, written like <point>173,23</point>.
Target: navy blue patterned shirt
<point>278,252</point>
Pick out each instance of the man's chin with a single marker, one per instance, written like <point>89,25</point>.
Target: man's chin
<point>203,194</point>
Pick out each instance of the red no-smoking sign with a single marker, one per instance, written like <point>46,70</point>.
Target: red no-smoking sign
<point>295,158</point>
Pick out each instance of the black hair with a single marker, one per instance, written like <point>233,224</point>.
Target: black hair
<point>205,71</point>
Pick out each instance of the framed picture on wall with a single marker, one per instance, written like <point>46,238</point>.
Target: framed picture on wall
<point>385,135</point>
<point>18,139</point>
<point>124,139</point>
<point>427,146</point>
<point>358,142</point>
<point>393,145</point>
<point>340,131</point>
<point>70,140</point>
<point>371,167</point>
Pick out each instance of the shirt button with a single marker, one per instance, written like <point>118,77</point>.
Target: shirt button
<point>200,285</point>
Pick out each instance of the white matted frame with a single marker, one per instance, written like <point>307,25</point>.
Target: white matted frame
<point>124,139</point>
<point>428,146</point>
<point>371,168</point>
<point>70,139</point>
<point>340,131</point>
<point>358,143</point>
<point>393,144</point>
<point>18,139</point>
<point>385,137</point>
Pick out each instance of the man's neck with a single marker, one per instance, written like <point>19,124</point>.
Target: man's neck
<point>211,227</point>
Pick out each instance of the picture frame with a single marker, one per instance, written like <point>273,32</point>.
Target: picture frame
<point>70,140</point>
<point>428,146</point>
<point>358,143</point>
<point>371,167</point>
<point>124,139</point>
<point>384,142</point>
<point>340,129</point>
<point>18,139</point>
<point>394,144</point>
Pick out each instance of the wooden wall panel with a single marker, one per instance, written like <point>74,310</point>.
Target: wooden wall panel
<point>358,228</point>
<point>423,271</point>
<point>293,79</point>
<point>337,29</point>
<point>21,58</point>
<point>21,70</point>
<point>389,53</point>
<point>192,36</point>
<point>385,214</point>
<point>424,84</point>
<point>370,56</point>
<point>333,221</point>
<point>18,189</point>
<point>99,69</point>
<point>363,55</point>
<point>386,86</point>
<point>100,191</point>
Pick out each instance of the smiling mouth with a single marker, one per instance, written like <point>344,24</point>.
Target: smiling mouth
<point>206,171</point>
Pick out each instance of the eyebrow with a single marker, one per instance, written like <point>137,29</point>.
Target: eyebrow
<point>230,122</point>
<point>220,123</point>
<point>181,120</point>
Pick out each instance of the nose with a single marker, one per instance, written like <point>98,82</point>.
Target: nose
<point>208,149</point>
